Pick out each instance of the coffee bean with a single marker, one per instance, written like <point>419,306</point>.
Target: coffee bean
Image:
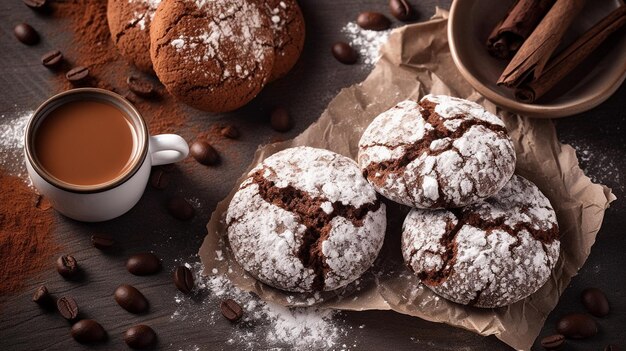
<point>373,21</point>
<point>280,120</point>
<point>52,58</point>
<point>88,331</point>
<point>230,132</point>
<point>231,310</point>
<point>180,209</point>
<point>102,241</point>
<point>131,299</point>
<point>77,74</point>
<point>183,279</point>
<point>553,342</point>
<point>344,53</point>
<point>140,337</point>
<point>145,263</point>
<point>67,266</point>
<point>577,326</point>
<point>26,34</point>
<point>401,9</point>
<point>204,153</point>
<point>42,296</point>
<point>595,302</point>
<point>159,179</point>
<point>611,348</point>
<point>35,4</point>
<point>67,308</point>
<point>140,87</point>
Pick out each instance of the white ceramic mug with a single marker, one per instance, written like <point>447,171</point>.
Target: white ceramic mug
<point>111,199</point>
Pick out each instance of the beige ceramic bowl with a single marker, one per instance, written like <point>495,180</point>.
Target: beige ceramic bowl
<point>586,87</point>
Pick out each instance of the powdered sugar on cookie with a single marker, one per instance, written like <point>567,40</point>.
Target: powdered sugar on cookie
<point>143,18</point>
<point>311,215</point>
<point>442,152</point>
<point>490,254</point>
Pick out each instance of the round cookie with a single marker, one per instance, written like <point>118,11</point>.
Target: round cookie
<point>289,33</point>
<point>306,220</point>
<point>129,23</point>
<point>489,254</point>
<point>215,55</point>
<point>443,152</point>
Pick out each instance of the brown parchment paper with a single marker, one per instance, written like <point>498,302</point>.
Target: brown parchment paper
<point>414,62</point>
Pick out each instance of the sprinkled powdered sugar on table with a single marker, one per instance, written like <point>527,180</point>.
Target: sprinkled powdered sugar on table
<point>12,129</point>
<point>366,42</point>
<point>264,324</point>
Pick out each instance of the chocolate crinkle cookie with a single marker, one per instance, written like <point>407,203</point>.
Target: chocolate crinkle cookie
<point>214,55</point>
<point>489,254</point>
<point>129,23</point>
<point>442,152</point>
<point>306,220</point>
<point>289,33</point>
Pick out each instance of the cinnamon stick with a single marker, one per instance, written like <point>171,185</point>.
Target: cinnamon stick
<point>520,21</point>
<point>530,60</point>
<point>572,56</point>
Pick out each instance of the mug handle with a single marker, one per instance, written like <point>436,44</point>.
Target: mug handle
<point>167,148</point>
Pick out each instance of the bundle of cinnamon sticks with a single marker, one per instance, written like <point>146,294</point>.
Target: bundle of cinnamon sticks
<point>531,32</point>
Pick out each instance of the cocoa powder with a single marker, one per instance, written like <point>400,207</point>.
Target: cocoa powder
<point>27,245</point>
<point>91,46</point>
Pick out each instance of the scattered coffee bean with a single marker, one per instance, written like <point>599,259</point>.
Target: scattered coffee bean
<point>231,310</point>
<point>42,296</point>
<point>140,337</point>
<point>280,120</point>
<point>401,9</point>
<point>344,53</point>
<point>88,331</point>
<point>26,34</point>
<point>180,209</point>
<point>102,241</point>
<point>67,266</point>
<point>553,342</point>
<point>230,132</point>
<point>52,58</point>
<point>67,308</point>
<point>35,4</point>
<point>131,299</point>
<point>204,153</point>
<point>140,87</point>
<point>595,302</point>
<point>145,263</point>
<point>611,348</point>
<point>373,21</point>
<point>77,74</point>
<point>183,279</point>
<point>577,326</point>
<point>159,179</point>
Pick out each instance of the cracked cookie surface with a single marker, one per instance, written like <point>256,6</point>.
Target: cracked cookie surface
<point>439,153</point>
<point>214,55</point>
<point>129,23</point>
<point>306,220</point>
<point>489,254</point>
<point>289,33</point>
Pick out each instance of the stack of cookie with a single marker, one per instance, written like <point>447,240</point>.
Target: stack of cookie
<point>215,55</point>
<point>478,234</point>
